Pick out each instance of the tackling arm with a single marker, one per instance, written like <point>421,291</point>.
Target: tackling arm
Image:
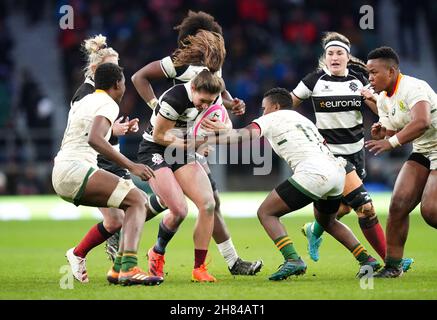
<point>162,133</point>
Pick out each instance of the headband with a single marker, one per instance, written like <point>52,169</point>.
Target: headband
<point>338,43</point>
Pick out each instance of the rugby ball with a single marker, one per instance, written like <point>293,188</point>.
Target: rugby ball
<point>216,111</point>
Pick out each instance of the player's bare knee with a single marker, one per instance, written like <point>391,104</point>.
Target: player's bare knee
<point>327,224</point>
<point>260,214</point>
<point>113,227</point>
<point>263,214</point>
<point>429,213</point>
<point>114,223</point>
<point>207,206</point>
<point>180,210</point>
<point>343,210</point>
<point>399,206</point>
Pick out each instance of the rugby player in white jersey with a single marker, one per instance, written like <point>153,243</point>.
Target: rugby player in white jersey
<point>407,109</point>
<point>76,177</point>
<point>318,178</point>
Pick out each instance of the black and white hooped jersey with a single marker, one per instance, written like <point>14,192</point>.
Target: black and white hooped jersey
<point>181,74</point>
<point>338,107</point>
<point>175,104</point>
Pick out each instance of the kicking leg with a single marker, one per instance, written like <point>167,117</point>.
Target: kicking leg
<point>325,215</point>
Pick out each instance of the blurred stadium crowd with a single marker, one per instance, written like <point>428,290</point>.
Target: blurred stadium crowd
<point>269,43</point>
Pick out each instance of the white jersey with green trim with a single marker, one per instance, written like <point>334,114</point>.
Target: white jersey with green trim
<point>75,144</point>
<point>395,111</point>
<point>294,137</point>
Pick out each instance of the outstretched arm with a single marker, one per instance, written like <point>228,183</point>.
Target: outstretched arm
<point>252,131</point>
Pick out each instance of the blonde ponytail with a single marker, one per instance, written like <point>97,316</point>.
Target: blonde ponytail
<point>96,51</point>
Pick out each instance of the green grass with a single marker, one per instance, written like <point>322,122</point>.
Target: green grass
<point>33,252</point>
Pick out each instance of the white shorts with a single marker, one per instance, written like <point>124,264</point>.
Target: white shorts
<point>69,179</point>
<point>320,178</point>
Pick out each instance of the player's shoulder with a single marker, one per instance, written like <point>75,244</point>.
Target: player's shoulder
<point>281,116</point>
<point>311,78</point>
<point>409,82</point>
<point>98,99</point>
<point>177,97</point>
<point>176,94</point>
<point>359,73</point>
<point>85,89</point>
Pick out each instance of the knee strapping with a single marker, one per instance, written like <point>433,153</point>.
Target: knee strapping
<point>155,205</point>
<point>358,198</point>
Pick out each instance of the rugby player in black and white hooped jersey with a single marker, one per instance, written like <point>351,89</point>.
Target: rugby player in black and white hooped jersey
<point>338,91</point>
<point>76,177</point>
<point>407,109</point>
<point>197,49</point>
<point>175,178</point>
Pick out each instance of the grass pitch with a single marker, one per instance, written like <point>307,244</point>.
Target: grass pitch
<point>32,264</point>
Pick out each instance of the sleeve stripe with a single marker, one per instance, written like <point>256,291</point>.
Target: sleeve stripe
<point>163,69</point>
<point>165,116</point>
<point>297,96</point>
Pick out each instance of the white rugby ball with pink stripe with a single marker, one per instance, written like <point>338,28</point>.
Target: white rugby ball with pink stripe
<point>214,112</point>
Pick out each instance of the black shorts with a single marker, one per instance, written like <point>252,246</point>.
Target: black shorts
<point>355,161</point>
<point>154,155</point>
<point>110,166</point>
<point>420,159</point>
<point>296,200</point>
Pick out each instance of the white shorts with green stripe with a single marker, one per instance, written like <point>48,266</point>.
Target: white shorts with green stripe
<point>320,178</point>
<point>69,179</point>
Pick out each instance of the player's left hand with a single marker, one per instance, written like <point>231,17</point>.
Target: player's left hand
<point>133,124</point>
<point>213,126</point>
<point>120,128</point>
<point>368,94</point>
<point>378,146</point>
<point>238,107</point>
